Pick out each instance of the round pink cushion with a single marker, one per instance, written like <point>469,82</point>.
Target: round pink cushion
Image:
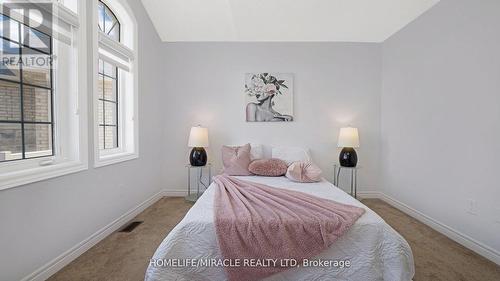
<point>304,172</point>
<point>268,167</point>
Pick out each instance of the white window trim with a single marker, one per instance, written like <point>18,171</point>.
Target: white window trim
<point>114,47</point>
<point>17,173</point>
<point>35,174</point>
<point>128,130</point>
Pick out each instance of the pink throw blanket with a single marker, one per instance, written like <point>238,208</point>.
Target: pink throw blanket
<point>256,221</point>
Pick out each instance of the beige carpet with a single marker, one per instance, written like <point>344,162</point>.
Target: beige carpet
<point>125,256</point>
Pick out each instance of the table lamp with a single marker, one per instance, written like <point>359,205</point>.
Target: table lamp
<point>198,140</point>
<point>348,140</point>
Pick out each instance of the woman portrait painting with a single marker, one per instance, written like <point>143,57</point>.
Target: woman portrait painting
<point>269,97</point>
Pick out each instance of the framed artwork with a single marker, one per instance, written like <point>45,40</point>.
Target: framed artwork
<point>269,97</point>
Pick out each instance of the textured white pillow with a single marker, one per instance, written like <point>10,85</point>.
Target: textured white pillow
<point>291,154</point>
<point>256,152</point>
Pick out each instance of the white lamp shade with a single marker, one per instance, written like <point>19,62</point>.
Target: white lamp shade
<point>198,137</point>
<point>348,137</point>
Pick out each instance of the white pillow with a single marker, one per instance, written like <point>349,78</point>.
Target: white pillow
<point>291,154</point>
<point>256,151</point>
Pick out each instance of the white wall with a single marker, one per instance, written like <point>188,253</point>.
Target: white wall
<point>441,117</point>
<point>336,84</point>
<point>40,221</point>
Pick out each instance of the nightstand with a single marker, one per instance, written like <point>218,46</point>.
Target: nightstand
<point>354,177</point>
<point>199,172</point>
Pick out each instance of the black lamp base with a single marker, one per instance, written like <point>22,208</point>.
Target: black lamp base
<point>348,157</point>
<point>198,157</point>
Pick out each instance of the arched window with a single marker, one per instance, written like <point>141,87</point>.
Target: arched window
<point>108,23</point>
<point>108,106</point>
<point>115,106</point>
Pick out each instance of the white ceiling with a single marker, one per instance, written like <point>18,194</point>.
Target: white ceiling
<point>282,20</point>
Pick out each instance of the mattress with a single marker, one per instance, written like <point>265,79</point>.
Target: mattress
<point>371,248</point>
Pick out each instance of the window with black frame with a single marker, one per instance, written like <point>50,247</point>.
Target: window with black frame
<point>26,92</point>
<point>108,105</point>
<point>108,84</point>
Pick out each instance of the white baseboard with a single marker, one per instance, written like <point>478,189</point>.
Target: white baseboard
<point>65,258</point>
<point>369,194</point>
<point>175,192</point>
<point>451,233</point>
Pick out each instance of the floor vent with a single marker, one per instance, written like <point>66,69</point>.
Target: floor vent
<point>131,226</point>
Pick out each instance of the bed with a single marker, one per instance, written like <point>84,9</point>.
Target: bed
<point>374,250</point>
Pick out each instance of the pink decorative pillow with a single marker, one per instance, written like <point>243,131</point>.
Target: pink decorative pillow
<point>304,172</point>
<point>268,167</point>
<point>236,160</point>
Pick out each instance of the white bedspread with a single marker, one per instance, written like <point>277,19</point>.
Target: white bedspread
<point>374,249</point>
